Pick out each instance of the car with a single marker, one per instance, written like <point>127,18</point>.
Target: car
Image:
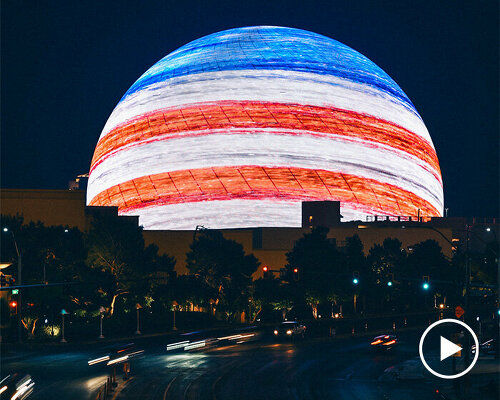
<point>487,347</point>
<point>384,342</point>
<point>16,386</point>
<point>290,330</point>
<point>117,355</point>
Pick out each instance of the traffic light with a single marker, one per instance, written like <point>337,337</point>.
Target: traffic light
<point>355,277</point>
<point>13,307</point>
<point>425,283</point>
<point>391,280</point>
<point>295,274</point>
<point>265,270</point>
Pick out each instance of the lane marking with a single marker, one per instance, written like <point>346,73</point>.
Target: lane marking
<point>168,387</point>
<point>118,390</point>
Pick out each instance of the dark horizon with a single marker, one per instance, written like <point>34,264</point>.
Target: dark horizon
<point>65,67</point>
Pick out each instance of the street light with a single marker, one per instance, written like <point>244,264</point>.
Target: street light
<point>63,313</point>
<point>101,311</point>
<point>138,307</point>
<point>174,304</point>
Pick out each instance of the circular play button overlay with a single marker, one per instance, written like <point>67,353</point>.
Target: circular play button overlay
<point>443,347</point>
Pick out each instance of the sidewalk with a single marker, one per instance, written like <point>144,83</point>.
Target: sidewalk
<point>481,382</point>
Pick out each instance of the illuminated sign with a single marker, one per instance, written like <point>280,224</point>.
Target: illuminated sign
<point>237,128</point>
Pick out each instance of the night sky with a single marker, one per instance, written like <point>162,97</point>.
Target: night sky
<point>65,65</point>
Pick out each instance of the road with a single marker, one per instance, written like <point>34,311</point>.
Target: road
<point>314,368</point>
<point>309,369</point>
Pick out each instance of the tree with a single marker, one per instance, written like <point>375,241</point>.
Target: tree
<point>127,268</point>
<point>386,263</point>
<point>223,266</point>
<point>355,263</point>
<point>191,289</point>
<point>52,254</point>
<point>427,259</point>
<point>322,268</point>
<point>272,296</point>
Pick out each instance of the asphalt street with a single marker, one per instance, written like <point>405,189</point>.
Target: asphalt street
<point>313,368</point>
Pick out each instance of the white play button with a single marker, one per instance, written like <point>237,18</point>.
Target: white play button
<point>448,348</point>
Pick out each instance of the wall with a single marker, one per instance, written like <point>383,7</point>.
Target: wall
<point>269,245</point>
<point>276,242</point>
<point>52,207</point>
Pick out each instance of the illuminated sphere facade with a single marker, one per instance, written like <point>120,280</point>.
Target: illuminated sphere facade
<point>237,128</point>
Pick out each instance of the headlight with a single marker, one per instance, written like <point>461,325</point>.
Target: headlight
<point>289,332</point>
<point>275,331</point>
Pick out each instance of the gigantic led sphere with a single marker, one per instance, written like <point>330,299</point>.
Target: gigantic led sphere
<point>237,128</point>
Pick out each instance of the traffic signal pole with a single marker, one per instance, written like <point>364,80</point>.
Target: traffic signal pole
<point>20,299</point>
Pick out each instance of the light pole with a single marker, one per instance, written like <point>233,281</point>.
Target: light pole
<point>101,312</point>
<point>63,313</point>
<point>174,304</point>
<point>19,282</point>
<point>138,307</point>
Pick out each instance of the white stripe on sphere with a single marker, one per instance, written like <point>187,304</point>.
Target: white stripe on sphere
<point>288,87</point>
<point>229,214</point>
<point>269,149</point>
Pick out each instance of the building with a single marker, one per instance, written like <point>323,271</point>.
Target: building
<point>233,131</point>
<point>238,128</point>
<point>268,244</point>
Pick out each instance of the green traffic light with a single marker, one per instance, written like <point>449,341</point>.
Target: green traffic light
<point>425,286</point>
